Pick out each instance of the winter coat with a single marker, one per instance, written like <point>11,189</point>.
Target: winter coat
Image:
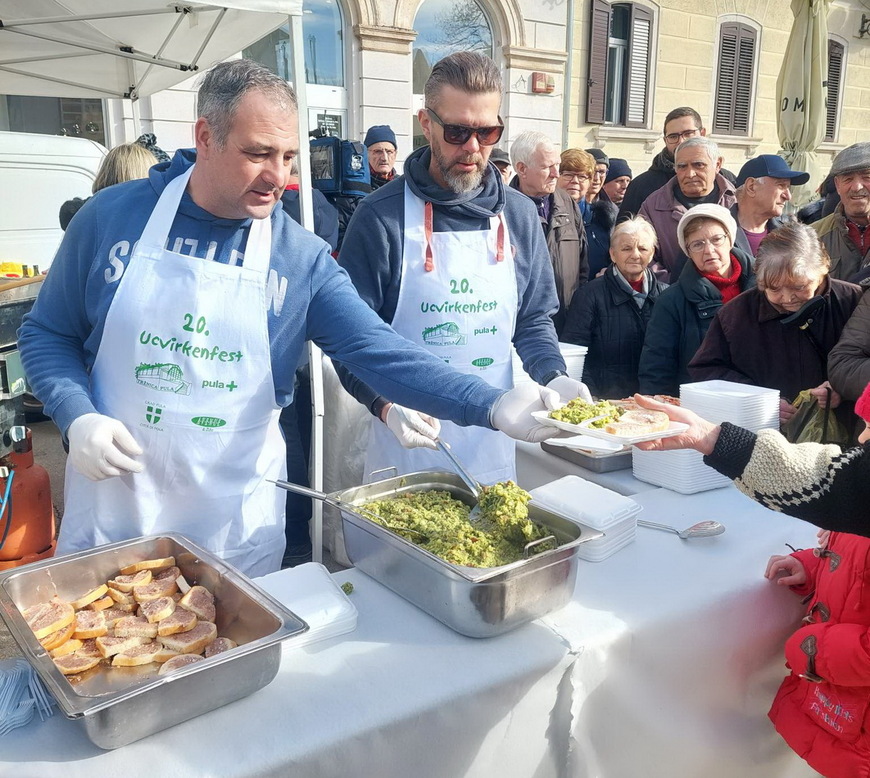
<point>741,241</point>
<point>325,215</point>
<point>660,172</point>
<point>664,211</point>
<point>605,317</point>
<point>846,260</point>
<point>379,181</point>
<point>598,219</point>
<point>822,709</point>
<point>679,323</point>
<point>568,247</point>
<point>748,343</point>
<point>849,360</point>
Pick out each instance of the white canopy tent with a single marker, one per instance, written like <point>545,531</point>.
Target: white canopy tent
<point>129,49</point>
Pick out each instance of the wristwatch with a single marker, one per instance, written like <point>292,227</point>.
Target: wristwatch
<point>550,376</point>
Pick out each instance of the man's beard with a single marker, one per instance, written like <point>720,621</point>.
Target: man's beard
<point>459,182</point>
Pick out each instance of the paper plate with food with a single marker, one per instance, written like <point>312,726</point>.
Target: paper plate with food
<point>607,421</point>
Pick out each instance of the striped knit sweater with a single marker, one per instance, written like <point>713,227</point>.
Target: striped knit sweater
<point>817,483</point>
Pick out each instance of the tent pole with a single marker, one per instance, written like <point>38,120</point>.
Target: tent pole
<point>314,355</point>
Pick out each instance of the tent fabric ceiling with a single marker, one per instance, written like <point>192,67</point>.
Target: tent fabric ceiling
<point>124,49</point>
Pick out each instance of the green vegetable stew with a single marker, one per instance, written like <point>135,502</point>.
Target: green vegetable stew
<point>578,410</point>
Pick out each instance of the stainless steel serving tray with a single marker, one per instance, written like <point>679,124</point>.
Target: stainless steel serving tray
<point>118,705</point>
<point>477,602</point>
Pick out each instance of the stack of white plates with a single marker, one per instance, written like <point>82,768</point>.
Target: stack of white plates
<point>680,471</point>
<point>596,507</point>
<point>574,356</point>
<point>751,407</point>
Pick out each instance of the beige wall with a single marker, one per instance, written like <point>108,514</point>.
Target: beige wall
<point>684,60</point>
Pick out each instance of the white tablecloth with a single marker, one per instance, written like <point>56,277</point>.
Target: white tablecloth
<point>664,665</point>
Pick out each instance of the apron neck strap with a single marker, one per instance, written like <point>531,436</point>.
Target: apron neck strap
<point>429,264</point>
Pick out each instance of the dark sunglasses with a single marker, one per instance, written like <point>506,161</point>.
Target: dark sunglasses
<point>458,134</point>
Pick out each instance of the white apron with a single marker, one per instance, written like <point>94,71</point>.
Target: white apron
<point>458,300</point>
<point>184,363</point>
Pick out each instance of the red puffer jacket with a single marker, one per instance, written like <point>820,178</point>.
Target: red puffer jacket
<point>823,708</point>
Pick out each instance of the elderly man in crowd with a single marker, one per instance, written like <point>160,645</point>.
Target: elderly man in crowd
<point>380,143</point>
<point>617,180</point>
<point>697,163</point>
<point>501,159</point>
<point>680,125</point>
<point>536,161</point>
<point>457,263</point>
<point>763,189</point>
<point>602,163</point>
<point>844,233</point>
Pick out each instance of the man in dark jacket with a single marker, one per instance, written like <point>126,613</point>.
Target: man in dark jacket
<point>763,189</point>
<point>680,125</point>
<point>380,143</point>
<point>536,162</point>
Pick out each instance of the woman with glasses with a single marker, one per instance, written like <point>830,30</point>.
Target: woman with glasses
<point>717,273</point>
<point>577,176</point>
<point>610,314</point>
<point>779,334</point>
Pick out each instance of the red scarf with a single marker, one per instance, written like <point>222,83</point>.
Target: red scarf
<point>729,287</point>
<point>636,285</point>
<point>859,236</point>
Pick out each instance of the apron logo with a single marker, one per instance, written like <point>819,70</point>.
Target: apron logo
<point>208,421</point>
<point>152,413</point>
<point>445,334</point>
<point>482,361</point>
<point>162,377</point>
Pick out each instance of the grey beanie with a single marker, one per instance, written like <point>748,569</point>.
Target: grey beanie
<point>706,211</point>
<point>852,158</point>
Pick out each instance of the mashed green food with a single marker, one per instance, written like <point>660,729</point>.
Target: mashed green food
<point>437,522</point>
<point>578,410</point>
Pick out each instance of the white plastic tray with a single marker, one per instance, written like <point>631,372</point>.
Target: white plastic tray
<point>312,594</point>
<point>675,428</point>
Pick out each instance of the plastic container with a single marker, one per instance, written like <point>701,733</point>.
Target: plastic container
<point>596,507</point>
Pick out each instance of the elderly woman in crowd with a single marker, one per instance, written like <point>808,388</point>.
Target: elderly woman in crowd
<point>717,273</point>
<point>779,334</point>
<point>577,170</point>
<point>610,313</point>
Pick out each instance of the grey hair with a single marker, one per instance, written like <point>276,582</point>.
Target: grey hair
<point>635,226</point>
<point>467,71</point>
<point>526,144</point>
<point>703,142</point>
<point>224,86</point>
<point>792,251</point>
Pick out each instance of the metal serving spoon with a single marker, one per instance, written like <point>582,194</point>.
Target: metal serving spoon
<point>703,529</point>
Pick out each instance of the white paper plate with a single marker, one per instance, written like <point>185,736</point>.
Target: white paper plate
<point>675,428</point>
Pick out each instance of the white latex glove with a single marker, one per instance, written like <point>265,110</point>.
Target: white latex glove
<point>569,389</point>
<point>512,412</point>
<point>99,447</point>
<point>412,429</point>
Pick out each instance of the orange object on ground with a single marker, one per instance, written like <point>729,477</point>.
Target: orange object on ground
<point>30,511</point>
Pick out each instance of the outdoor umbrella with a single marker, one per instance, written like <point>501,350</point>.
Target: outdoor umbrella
<point>801,93</point>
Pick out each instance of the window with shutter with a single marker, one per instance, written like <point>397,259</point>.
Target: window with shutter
<point>734,79</point>
<point>620,48</point>
<point>836,51</point>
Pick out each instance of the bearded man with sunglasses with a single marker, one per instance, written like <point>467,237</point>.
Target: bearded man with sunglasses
<point>457,263</point>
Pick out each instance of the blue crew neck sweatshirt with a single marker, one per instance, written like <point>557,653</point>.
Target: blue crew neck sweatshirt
<point>309,297</point>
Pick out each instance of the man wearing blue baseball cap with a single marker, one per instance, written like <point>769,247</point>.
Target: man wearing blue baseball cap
<point>763,189</point>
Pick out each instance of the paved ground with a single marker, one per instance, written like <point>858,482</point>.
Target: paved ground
<point>48,452</point>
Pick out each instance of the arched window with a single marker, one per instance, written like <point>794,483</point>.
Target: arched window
<point>443,27</point>
<point>323,39</point>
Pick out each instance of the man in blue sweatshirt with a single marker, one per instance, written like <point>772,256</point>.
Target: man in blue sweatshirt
<point>167,334</point>
<point>456,262</point>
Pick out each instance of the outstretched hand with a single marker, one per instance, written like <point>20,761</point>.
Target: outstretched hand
<point>786,571</point>
<point>700,436</point>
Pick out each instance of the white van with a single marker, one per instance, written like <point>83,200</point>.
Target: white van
<point>38,174</point>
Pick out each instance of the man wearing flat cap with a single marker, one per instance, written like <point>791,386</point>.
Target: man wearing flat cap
<point>844,233</point>
<point>380,142</point>
<point>763,188</point>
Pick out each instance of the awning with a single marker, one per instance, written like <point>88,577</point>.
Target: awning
<point>124,48</point>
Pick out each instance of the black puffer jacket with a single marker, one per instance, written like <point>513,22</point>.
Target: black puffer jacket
<point>605,317</point>
<point>679,323</point>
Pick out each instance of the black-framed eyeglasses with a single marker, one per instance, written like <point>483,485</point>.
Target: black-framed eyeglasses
<point>674,137</point>
<point>459,134</point>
